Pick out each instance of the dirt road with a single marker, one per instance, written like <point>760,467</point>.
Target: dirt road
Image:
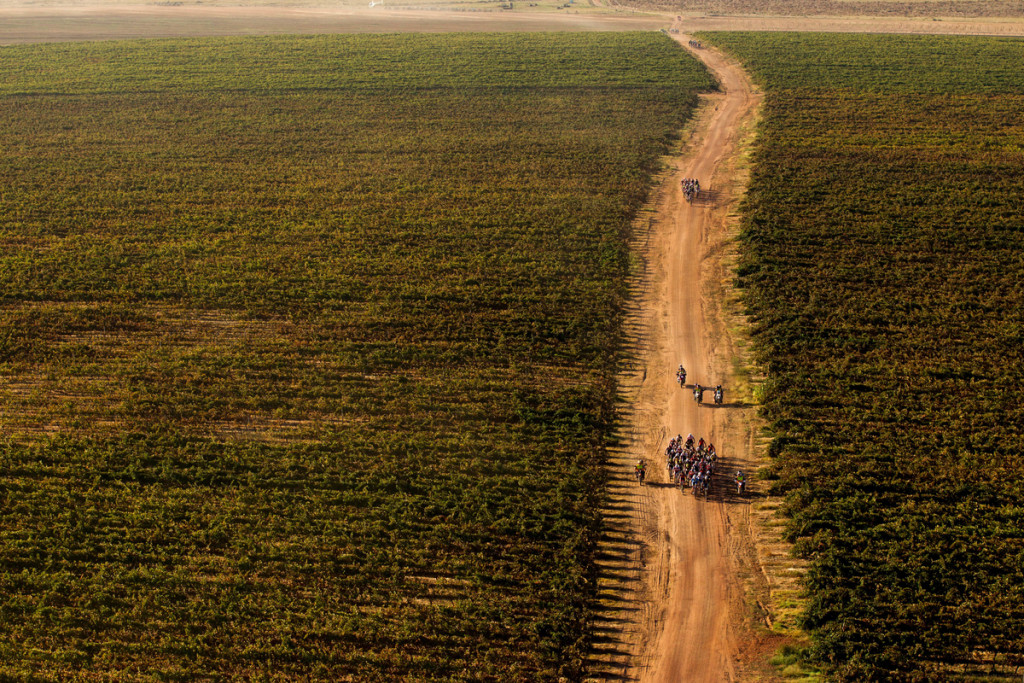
<point>701,573</point>
<point>692,573</point>
<point>696,635</point>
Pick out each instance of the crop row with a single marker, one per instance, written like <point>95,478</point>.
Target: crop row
<point>882,266</point>
<point>306,345</point>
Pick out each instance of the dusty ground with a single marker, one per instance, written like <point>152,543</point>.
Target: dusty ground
<point>688,588</point>
<point>926,9</point>
<point>699,579</point>
<point>28,22</point>
<point>989,27</point>
<point>86,21</point>
<point>707,545</point>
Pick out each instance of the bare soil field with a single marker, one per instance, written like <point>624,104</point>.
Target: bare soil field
<point>853,24</point>
<point>23,22</point>
<point>34,23</point>
<point>921,9</point>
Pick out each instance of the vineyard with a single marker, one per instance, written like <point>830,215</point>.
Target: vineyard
<point>306,349</point>
<point>882,269</point>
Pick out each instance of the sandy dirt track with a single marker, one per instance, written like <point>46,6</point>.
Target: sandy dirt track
<point>697,551</point>
<point>678,605</point>
<point>981,27</point>
<point>696,637</point>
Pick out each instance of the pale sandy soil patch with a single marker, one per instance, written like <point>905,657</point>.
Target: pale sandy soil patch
<point>33,24</point>
<point>22,22</point>
<point>981,27</point>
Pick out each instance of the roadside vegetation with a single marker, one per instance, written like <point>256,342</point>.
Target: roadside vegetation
<point>882,269</point>
<point>307,349</point>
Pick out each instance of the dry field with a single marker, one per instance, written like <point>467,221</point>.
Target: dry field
<point>32,22</point>
<point>38,23</point>
<point>843,8</point>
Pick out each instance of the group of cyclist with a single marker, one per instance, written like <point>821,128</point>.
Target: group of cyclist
<point>691,465</point>
<point>691,188</point>
<point>692,462</point>
<point>698,394</point>
<point>698,389</point>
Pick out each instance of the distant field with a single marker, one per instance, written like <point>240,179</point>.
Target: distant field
<point>36,22</point>
<point>883,268</point>
<point>88,21</point>
<point>842,8</point>
<point>846,8</point>
<point>306,349</point>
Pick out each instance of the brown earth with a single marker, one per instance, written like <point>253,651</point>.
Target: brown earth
<point>850,24</point>
<point>697,575</point>
<point>35,23</point>
<point>706,544</point>
<point>920,9</point>
<point>690,590</point>
<point>27,22</point>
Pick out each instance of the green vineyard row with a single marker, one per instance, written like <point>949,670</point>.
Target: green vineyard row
<point>882,268</point>
<point>306,347</point>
